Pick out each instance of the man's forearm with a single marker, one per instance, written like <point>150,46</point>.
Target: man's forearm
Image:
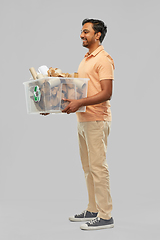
<point>95,99</point>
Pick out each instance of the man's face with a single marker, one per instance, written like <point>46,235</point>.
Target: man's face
<point>88,35</point>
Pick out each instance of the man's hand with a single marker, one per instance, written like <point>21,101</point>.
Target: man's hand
<point>44,114</point>
<point>72,107</point>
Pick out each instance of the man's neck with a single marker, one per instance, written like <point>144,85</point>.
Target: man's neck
<point>93,48</point>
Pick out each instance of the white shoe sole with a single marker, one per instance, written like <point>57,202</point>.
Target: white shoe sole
<point>73,219</point>
<point>85,227</point>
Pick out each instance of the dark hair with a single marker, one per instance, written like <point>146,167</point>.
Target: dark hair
<point>98,26</point>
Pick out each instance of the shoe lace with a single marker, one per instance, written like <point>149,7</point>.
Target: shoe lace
<point>84,212</point>
<point>94,220</point>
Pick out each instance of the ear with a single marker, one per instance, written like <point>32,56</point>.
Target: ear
<point>98,35</point>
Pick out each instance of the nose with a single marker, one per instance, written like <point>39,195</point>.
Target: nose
<point>82,35</point>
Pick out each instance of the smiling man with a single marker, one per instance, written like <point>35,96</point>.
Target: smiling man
<point>94,125</point>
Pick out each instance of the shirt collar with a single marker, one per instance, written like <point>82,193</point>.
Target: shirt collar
<point>99,49</point>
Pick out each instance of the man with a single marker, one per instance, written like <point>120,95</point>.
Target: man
<point>94,126</point>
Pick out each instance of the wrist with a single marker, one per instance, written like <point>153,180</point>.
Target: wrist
<point>81,102</point>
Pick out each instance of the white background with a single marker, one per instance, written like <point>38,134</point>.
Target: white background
<point>41,179</point>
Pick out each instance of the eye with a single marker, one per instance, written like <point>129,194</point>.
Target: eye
<point>84,31</point>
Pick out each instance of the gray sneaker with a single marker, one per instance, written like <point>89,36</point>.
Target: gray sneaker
<point>98,223</point>
<point>84,216</point>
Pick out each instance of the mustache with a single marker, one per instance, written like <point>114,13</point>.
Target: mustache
<point>83,38</point>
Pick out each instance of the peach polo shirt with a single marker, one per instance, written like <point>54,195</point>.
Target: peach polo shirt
<point>97,66</point>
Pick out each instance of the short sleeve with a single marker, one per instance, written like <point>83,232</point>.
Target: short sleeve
<point>106,68</point>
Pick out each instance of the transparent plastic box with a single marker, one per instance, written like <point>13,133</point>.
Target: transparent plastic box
<point>46,95</point>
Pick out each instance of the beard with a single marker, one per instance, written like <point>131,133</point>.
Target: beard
<point>85,44</point>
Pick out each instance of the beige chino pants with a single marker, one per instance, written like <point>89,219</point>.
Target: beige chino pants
<point>92,138</point>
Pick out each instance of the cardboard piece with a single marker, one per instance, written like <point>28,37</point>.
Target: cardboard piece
<point>33,72</point>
